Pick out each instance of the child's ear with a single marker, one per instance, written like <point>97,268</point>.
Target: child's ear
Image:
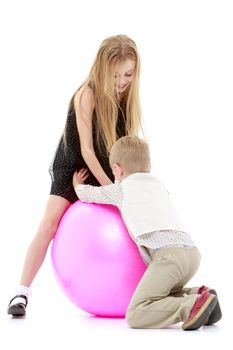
<point>117,169</point>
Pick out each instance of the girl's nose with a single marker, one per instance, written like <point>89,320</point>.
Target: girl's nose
<point>121,82</point>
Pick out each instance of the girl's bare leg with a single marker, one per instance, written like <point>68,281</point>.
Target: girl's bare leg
<point>56,206</point>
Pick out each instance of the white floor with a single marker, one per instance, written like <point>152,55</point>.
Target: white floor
<point>46,327</point>
<point>53,322</point>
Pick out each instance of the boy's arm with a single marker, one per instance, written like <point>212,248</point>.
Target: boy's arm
<point>108,194</point>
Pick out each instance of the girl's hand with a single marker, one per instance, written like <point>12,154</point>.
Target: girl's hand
<point>79,177</point>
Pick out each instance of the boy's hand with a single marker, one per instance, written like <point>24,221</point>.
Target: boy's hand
<point>79,177</point>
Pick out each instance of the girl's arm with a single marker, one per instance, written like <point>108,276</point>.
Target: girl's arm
<point>84,107</point>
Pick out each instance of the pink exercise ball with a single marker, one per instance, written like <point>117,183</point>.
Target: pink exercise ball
<point>96,263</point>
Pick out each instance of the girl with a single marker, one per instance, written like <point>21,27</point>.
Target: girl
<point>105,108</point>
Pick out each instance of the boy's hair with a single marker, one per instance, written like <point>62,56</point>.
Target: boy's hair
<point>132,154</point>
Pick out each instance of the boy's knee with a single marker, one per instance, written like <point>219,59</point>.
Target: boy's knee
<point>130,318</point>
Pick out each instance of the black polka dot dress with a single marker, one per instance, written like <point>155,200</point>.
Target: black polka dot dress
<point>68,158</point>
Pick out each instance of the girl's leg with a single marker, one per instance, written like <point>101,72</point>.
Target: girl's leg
<point>56,207</point>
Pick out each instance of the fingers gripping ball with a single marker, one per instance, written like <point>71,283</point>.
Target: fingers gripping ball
<point>97,264</point>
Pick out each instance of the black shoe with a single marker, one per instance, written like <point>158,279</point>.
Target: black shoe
<point>18,309</point>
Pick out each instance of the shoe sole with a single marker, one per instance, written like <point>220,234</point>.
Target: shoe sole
<point>203,314</point>
<point>16,311</point>
<point>216,314</point>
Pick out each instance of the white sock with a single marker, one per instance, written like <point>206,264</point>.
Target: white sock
<point>24,290</point>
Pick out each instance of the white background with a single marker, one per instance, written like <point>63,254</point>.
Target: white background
<point>47,48</point>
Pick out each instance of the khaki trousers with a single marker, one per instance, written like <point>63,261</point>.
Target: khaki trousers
<point>160,299</point>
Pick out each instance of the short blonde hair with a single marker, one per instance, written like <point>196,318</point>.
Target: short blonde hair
<point>132,154</point>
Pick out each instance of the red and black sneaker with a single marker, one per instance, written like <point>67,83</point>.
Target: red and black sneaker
<point>216,314</point>
<point>201,311</point>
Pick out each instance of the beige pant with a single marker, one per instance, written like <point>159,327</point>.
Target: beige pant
<point>160,299</point>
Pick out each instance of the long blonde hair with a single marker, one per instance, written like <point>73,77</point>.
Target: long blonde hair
<point>101,79</point>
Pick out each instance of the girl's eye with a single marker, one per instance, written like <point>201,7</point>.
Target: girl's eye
<point>128,75</point>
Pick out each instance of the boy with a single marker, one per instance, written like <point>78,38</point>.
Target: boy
<point>160,300</point>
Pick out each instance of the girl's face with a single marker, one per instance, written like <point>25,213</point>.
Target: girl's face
<point>124,75</point>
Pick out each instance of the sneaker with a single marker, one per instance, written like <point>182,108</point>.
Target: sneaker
<point>216,314</point>
<point>18,309</point>
<point>201,311</point>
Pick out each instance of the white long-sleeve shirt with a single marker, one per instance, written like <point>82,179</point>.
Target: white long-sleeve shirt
<point>146,210</point>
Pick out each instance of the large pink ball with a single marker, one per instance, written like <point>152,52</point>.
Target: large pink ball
<point>95,260</point>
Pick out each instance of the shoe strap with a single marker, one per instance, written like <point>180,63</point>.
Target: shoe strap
<point>20,296</point>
